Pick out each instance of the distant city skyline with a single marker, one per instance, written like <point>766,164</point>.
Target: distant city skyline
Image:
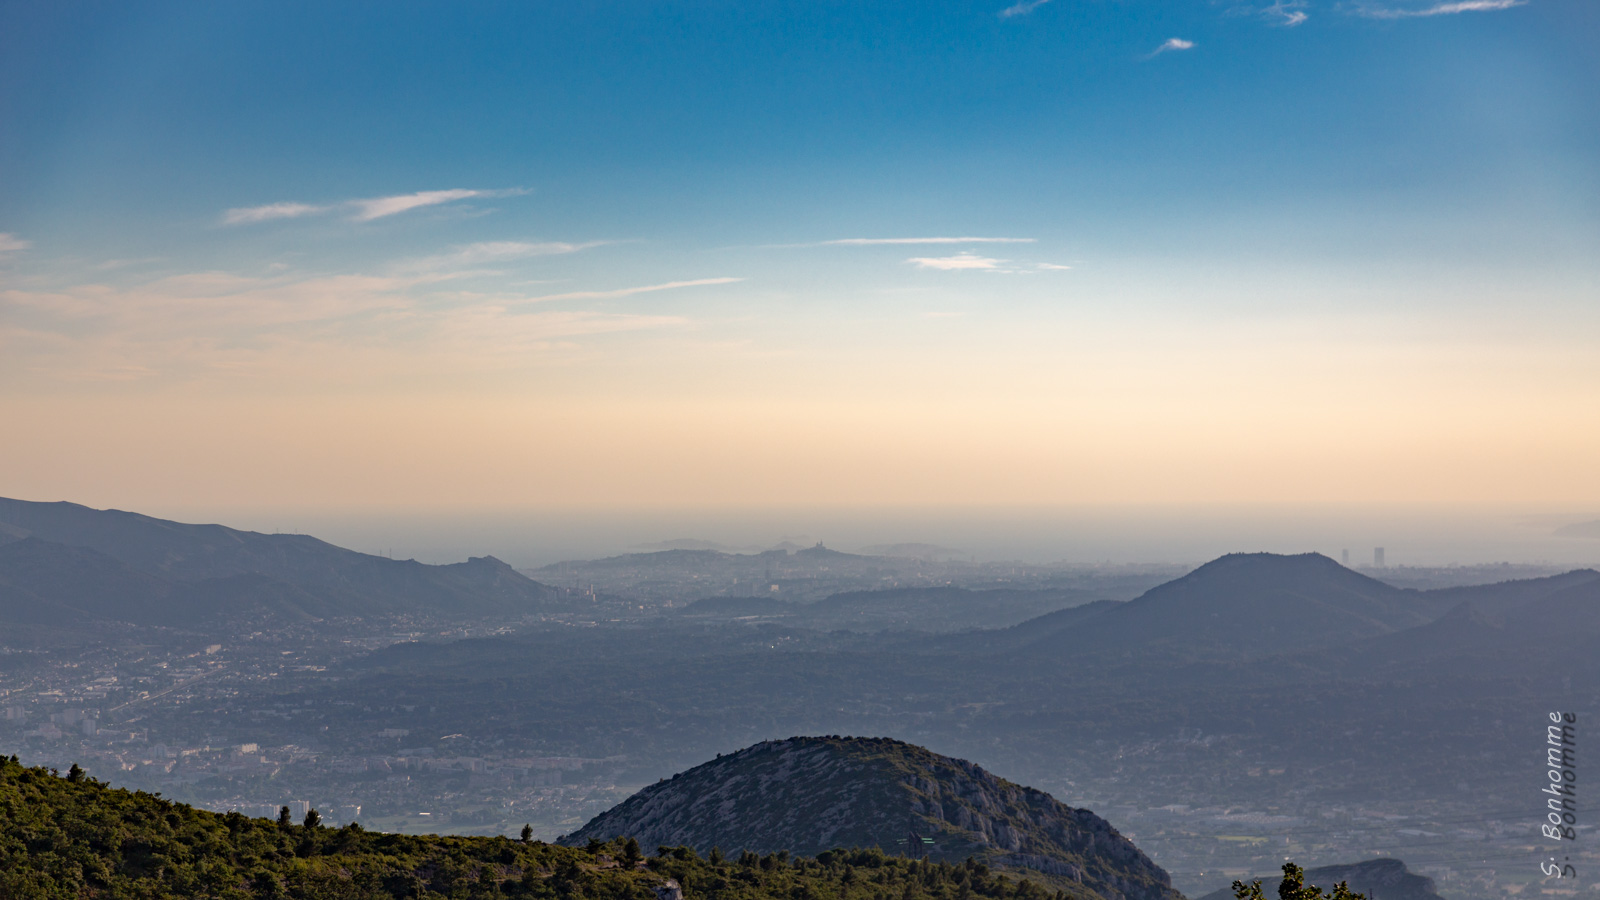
<point>364,258</point>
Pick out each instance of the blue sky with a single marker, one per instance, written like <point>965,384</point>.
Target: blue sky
<point>797,119</point>
<point>1388,210</point>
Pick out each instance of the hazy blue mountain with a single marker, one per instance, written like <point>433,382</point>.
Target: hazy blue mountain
<point>998,605</point>
<point>898,609</point>
<point>676,558</point>
<point>1574,610</point>
<point>1379,879</point>
<point>130,567</point>
<point>1497,600</point>
<point>45,583</point>
<point>1055,624</point>
<point>820,554</point>
<point>1463,628</point>
<point>1552,628</point>
<point>739,607</point>
<point>1264,601</point>
<point>1580,530</point>
<point>810,794</point>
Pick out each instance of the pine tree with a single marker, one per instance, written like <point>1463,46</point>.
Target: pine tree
<point>1295,888</point>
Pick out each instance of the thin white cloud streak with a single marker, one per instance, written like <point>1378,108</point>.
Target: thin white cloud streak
<point>628,292</point>
<point>249,215</point>
<point>871,242</point>
<point>958,263</point>
<point>379,207</point>
<point>1288,13</point>
<point>1439,9</point>
<point>208,301</point>
<point>1171,45</point>
<point>496,251</point>
<point>10,243</point>
<point>111,264</point>
<point>197,325</point>
<point>1022,8</point>
<point>1052,267</point>
<point>365,210</point>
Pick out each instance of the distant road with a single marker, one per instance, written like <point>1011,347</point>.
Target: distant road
<point>182,684</point>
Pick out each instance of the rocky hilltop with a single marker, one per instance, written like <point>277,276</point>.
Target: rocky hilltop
<point>811,794</point>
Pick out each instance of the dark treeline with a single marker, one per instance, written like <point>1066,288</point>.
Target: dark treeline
<point>74,837</point>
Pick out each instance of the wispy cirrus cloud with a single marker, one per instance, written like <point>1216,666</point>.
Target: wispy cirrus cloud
<point>870,242</point>
<point>893,241</point>
<point>1022,8</point>
<point>249,215</point>
<point>379,207</point>
<point>1286,13</point>
<point>10,243</point>
<point>1437,9</point>
<point>201,325</point>
<point>361,210</point>
<point>972,262</point>
<point>113,264</point>
<point>961,262</point>
<point>496,251</point>
<point>628,292</point>
<point>1170,45</point>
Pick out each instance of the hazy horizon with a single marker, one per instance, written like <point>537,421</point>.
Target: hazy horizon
<point>1036,535</point>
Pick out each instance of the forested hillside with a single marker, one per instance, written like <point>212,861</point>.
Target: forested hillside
<point>73,837</point>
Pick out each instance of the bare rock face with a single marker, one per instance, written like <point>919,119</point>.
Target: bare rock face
<point>811,794</point>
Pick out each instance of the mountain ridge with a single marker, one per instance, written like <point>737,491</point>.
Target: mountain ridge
<point>65,559</point>
<point>812,794</point>
<point>1240,600</point>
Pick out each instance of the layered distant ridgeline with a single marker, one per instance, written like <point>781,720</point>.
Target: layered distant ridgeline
<point>64,566</point>
<point>1255,641</point>
<point>810,794</point>
<point>940,608</point>
<point>66,838</point>
<point>1266,603</point>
